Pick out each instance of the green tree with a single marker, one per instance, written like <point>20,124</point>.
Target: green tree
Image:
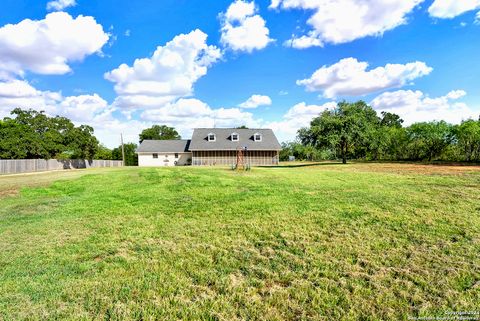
<point>429,139</point>
<point>32,134</point>
<point>157,132</point>
<point>83,145</point>
<point>395,142</point>
<point>131,158</point>
<point>14,139</point>
<point>286,151</point>
<point>468,139</point>
<point>380,140</point>
<point>391,120</point>
<point>45,135</point>
<point>299,151</point>
<point>344,129</point>
<point>103,152</point>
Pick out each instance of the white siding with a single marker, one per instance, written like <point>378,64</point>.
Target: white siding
<point>164,159</point>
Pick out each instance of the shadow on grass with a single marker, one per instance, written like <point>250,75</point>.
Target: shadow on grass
<point>299,165</point>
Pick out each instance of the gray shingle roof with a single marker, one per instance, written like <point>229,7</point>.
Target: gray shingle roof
<point>164,146</point>
<point>224,142</point>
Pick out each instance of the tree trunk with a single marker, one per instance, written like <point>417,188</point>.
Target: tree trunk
<point>344,153</point>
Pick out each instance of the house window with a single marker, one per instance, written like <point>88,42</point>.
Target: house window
<point>257,137</point>
<point>176,155</point>
<point>155,155</point>
<point>211,137</point>
<point>235,137</point>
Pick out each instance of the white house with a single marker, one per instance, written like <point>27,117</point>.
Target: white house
<point>213,146</point>
<point>164,153</point>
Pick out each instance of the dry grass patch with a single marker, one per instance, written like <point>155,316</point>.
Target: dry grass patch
<point>423,169</point>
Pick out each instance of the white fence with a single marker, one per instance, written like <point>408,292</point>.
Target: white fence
<point>15,166</point>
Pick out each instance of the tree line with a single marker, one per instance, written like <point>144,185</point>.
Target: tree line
<point>30,134</point>
<point>356,131</point>
<point>350,131</point>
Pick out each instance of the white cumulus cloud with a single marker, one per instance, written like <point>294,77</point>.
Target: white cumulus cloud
<point>446,9</point>
<point>255,101</point>
<point>166,76</point>
<point>350,77</point>
<point>21,94</point>
<point>234,117</point>
<point>88,109</point>
<point>159,87</point>
<point>243,29</point>
<point>91,109</point>
<point>415,106</point>
<point>47,46</point>
<point>303,42</point>
<point>297,117</point>
<point>59,5</point>
<point>185,109</point>
<point>83,108</point>
<point>343,21</point>
<point>188,113</point>
<point>304,113</point>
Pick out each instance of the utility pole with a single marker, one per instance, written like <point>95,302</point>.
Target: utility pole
<point>123,150</point>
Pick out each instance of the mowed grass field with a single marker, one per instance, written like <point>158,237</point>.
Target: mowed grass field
<point>324,242</point>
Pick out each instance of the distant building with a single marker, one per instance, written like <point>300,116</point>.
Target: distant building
<point>212,146</point>
<point>164,153</point>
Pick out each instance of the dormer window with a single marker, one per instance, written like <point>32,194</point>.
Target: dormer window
<point>235,137</point>
<point>211,137</point>
<point>257,137</point>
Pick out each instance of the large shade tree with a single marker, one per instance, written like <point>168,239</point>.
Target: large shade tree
<point>33,134</point>
<point>353,130</point>
<point>159,132</point>
<point>344,128</point>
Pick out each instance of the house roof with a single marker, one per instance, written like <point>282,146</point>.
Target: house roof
<point>223,139</point>
<point>164,146</point>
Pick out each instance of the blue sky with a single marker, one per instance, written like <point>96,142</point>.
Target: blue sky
<point>270,64</point>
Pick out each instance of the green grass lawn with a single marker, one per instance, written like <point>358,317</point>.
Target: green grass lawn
<point>326,242</point>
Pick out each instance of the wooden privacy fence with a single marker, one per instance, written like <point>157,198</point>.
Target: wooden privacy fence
<point>16,166</point>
